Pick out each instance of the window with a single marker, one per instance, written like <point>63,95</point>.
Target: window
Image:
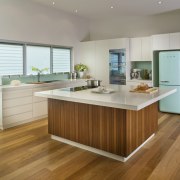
<point>18,59</point>
<point>11,59</point>
<point>61,60</point>
<point>38,57</point>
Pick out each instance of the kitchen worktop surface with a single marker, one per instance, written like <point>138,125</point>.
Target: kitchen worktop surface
<point>27,85</point>
<point>120,98</point>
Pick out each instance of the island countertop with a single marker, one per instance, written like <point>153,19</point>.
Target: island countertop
<point>120,98</point>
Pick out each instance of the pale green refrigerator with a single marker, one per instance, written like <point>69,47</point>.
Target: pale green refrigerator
<point>169,76</point>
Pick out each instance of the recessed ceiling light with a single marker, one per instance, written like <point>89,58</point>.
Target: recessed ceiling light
<point>160,2</point>
<point>53,3</point>
<point>112,7</point>
<point>76,11</point>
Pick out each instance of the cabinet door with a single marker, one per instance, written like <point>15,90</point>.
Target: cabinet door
<point>121,43</point>
<point>175,41</point>
<point>102,62</point>
<point>40,109</point>
<point>161,42</point>
<point>135,49</point>
<point>146,49</point>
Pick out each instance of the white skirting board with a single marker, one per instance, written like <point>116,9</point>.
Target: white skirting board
<point>98,151</point>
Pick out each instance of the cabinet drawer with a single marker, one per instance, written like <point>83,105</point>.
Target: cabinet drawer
<point>40,109</point>
<point>17,102</point>
<point>17,118</point>
<point>16,94</point>
<point>17,110</point>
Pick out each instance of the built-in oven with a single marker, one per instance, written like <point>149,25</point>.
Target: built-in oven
<point>117,66</point>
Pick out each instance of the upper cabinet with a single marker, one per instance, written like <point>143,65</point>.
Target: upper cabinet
<point>120,43</point>
<point>135,49</point>
<point>140,49</point>
<point>174,41</point>
<point>160,42</point>
<point>166,41</point>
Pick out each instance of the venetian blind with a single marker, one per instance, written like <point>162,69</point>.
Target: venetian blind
<point>11,59</point>
<point>61,60</point>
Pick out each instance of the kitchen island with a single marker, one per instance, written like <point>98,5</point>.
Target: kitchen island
<point>115,125</point>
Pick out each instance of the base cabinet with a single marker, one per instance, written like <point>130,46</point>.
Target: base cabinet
<point>40,109</point>
<point>20,106</point>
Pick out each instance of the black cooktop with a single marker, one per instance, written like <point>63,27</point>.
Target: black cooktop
<point>74,89</point>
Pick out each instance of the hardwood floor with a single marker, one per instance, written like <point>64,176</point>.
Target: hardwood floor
<point>27,152</point>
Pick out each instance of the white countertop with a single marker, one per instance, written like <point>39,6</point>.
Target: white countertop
<point>121,98</point>
<point>28,85</point>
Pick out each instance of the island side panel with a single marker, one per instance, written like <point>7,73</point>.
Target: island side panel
<point>113,130</point>
<point>140,125</point>
<point>96,126</point>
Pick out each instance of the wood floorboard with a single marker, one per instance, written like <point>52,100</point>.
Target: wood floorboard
<point>28,152</point>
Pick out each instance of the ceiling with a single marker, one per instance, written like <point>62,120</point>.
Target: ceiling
<point>102,9</point>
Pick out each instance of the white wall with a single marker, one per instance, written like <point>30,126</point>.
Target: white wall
<point>135,26</point>
<point>26,21</point>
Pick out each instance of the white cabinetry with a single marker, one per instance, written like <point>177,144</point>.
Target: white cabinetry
<point>87,55</point>
<point>135,49</point>
<point>146,49</point>
<point>21,106</point>
<point>120,43</point>
<point>174,41</point>
<point>95,54</point>
<point>17,106</point>
<point>166,41</point>
<point>160,42</point>
<point>140,49</point>
<point>102,61</point>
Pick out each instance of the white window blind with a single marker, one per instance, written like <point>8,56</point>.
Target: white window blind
<point>11,59</point>
<point>61,60</point>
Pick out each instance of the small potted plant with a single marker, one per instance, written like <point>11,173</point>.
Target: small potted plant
<point>80,69</point>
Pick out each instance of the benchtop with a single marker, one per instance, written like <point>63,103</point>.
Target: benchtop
<point>120,98</point>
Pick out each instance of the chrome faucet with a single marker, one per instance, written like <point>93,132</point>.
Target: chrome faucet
<point>38,76</point>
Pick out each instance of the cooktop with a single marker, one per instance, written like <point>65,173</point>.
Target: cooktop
<point>74,89</point>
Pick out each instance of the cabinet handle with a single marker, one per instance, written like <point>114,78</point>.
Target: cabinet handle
<point>165,81</point>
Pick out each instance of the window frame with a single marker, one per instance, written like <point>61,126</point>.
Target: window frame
<point>24,46</point>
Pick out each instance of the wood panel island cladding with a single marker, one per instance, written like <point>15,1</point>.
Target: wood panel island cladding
<point>113,130</point>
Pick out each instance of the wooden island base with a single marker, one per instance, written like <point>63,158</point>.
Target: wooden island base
<point>108,131</point>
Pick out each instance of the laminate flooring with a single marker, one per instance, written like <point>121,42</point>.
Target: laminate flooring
<point>28,152</point>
